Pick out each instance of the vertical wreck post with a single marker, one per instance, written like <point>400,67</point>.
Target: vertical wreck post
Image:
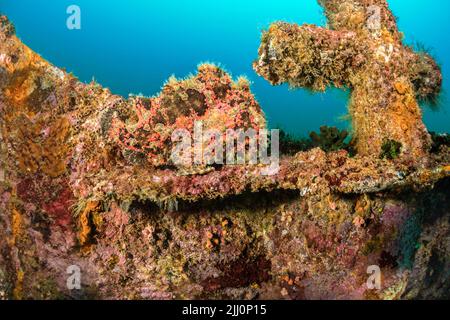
<point>360,49</point>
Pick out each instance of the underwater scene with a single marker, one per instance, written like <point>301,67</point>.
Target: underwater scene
<point>224,150</point>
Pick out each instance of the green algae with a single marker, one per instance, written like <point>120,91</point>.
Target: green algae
<point>390,149</point>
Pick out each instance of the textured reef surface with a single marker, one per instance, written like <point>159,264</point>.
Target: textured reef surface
<point>86,178</point>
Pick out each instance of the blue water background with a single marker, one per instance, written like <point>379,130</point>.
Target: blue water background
<point>133,46</point>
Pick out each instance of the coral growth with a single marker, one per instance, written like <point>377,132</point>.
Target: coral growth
<point>86,181</point>
<point>330,139</point>
<point>210,97</point>
<point>439,141</point>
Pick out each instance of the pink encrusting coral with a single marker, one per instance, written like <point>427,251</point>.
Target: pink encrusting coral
<point>210,97</point>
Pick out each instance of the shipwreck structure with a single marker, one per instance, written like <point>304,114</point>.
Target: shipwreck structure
<point>86,186</point>
<point>361,50</point>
